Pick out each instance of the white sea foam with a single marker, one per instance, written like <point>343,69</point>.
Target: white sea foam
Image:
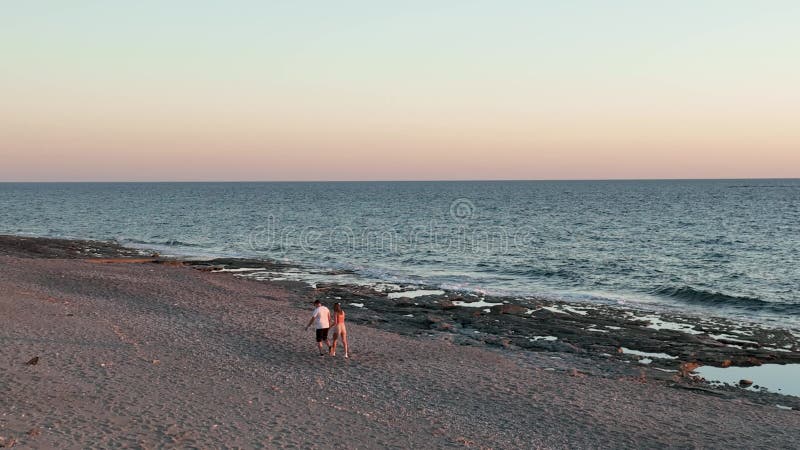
<point>542,338</point>
<point>731,338</point>
<point>657,323</point>
<point>648,354</point>
<point>478,304</point>
<point>386,287</point>
<point>243,269</point>
<point>565,309</point>
<point>414,294</point>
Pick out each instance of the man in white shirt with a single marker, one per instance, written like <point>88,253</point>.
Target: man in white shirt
<point>321,318</point>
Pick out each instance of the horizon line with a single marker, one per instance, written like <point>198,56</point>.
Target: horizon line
<point>389,180</point>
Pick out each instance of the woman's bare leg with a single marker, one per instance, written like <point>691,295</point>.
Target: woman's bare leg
<point>333,344</point>
<point>346,347</point>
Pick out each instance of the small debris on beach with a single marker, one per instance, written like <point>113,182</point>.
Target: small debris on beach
<point>685,370</point>
<point>7,442</point>
<point>576,373</point>
<point>33,361</point>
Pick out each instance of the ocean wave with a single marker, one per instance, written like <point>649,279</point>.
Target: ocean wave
<point>762,186</point>
<point>536,272</point>
<point>168,242</point>
<point>703,297</point>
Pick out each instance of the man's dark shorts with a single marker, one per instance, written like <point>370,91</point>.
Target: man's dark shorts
<point>322,334</point>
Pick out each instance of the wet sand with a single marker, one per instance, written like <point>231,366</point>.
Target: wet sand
<point>149,355</point>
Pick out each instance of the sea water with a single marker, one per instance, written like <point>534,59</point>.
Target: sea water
<point>728,248</point>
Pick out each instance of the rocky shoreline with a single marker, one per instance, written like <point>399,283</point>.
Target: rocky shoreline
<point>601,340</point>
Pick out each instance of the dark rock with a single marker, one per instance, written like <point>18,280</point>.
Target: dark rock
<point>554,346</point>
<point>567,347</point>
<point>739,343</point>
<point>433,319</point>
<point>464,340</point>
<point>28,247</point>
<point>745,383</point>
<point>507,308</point>
<point>33,361</point>
<point>444,326</point>
<point>447,304</point>
<point>748,362</point>
<point>496,340</point>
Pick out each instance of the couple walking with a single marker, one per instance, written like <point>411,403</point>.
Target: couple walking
<point>321,319</point>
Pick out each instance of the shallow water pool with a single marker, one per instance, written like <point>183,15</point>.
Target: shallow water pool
<point>779,378</point>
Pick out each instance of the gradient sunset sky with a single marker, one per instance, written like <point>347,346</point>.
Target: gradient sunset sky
<point>379,90</point>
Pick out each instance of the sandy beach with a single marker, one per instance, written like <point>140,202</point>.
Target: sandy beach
<point>143,355</point>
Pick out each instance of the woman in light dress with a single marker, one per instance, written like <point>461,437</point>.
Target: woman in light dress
<point>339,330</point>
